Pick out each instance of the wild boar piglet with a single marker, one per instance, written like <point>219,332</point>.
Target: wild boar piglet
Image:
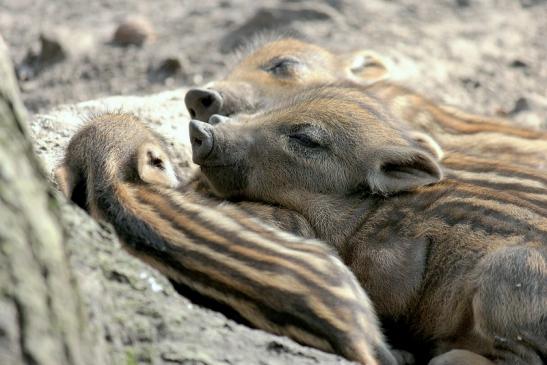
<point>456,262</point>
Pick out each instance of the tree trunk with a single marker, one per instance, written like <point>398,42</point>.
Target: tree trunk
<point>40,310</point>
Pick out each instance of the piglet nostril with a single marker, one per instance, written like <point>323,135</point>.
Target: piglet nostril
<point>201,138</point>
<point>202,103</point>
<point>217,119</point>
<point>207,101</point>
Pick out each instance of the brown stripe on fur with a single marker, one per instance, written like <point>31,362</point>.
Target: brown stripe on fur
<point>246,218</point>
<point>301,226</point>
<point>246,308</point>
<point>458,161</point>
<point>275,254</point>
<point>459,122</point>
<point>465,127</point>
<point>507,197</point>
<point>283,283</point>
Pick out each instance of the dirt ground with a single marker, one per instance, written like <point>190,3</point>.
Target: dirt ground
<point>484,56</point>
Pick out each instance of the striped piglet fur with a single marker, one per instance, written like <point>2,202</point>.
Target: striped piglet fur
<point>120,172</point>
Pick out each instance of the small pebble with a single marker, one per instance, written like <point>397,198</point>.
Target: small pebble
<point>135,30</point>
<point>154,285</point>
<point>520,105</point>
<point>197,79</point>
<point>518,64</point>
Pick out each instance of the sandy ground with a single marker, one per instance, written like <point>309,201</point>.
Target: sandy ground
<point>484,56</point>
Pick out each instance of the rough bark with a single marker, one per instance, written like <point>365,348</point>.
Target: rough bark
<point>69,294</point>
<point>40,310</point>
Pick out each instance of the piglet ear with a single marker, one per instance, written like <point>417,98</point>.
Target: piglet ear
<point>366,67</point>
<point>155,166</point>
<point>398,169</point>
<point>64,179</point>
<point>72,184</point>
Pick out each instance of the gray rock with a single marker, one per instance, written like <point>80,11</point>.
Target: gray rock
<point>56,45</point>
<point>463,3</point>
<point>167,69</point>
<point>529,3</point>
<point>353,10</point>
<point>280,19</point>
<point>521,105</point>
<point>135,30</point>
